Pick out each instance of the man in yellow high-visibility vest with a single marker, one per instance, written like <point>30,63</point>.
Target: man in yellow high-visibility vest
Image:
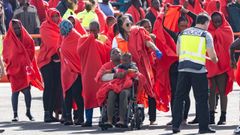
<point>192,46</point>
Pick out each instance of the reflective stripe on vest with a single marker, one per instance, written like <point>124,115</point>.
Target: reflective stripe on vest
<point>193,48</point>
<point>122,44</point>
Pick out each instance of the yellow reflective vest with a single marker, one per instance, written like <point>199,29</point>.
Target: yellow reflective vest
<point>193,48</point>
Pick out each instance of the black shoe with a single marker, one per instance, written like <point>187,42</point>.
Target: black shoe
<point>212,117</point>
<point>78,122</point>
<point>222,120</point>
<point>87,124</point>
<point>62,120</point>
<point>194,121</point>
<point>50,119</point>
<point>15,119</point>
<point>30,117</point>
<point>68,122</point>
<point>175,130</point>
<point>208,130</point>
<point>237,131</point>
<point>2,130</point>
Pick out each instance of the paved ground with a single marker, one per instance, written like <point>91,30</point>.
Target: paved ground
<point>24,127</point>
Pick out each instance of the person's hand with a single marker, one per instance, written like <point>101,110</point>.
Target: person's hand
<point>158,54</point>
<point>132,71</point>
<point>166,8</point>
<point>233,64</point>
<point>184,10</point>
<point>56,60</point>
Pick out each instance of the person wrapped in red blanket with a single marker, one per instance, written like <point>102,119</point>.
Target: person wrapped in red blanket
<point>136,11</point>
<point>77,25</point>
<point>221,75</point>
<point>120,86</point>
<point>93,54</point>
<point>164,68</point>
<point>49,64</point>
<point>70,72</point>
<point>21,68</point>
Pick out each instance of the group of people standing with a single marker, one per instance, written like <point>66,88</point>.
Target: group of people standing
<point>87,58</point>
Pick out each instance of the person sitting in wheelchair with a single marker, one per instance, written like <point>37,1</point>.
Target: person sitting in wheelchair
<point>118,88</point>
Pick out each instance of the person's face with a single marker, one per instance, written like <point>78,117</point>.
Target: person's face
<point>94,30</point>
<point>156,4</point>
<point>72,3</point>
<point>71,19</point>
<point>55,18</point>
<point>17,29</point>
<point>217,20</point>
<point>148,27</point>
<point>127,24</point>
<point>182,25</point>
<point>111,21</point>
<point>125,60</point>
<point>115,55</point>
<point>88,7</point>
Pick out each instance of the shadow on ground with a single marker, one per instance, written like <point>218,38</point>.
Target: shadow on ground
<point>53,127</point>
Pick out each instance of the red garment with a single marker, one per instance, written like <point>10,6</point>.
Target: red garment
<point>80,6</point>
<point>50,34</point>
<point>41,7</point>
<point>224,7</point>
<point>197,8</point>
<point>136,46</point>
<point>136,15</point>
<point>168,1</point>
<point>106,67</point>
<point>223,38</point>
<point>171,18</point>
<point>70,61</point>
<point>53,3</point>
<point>18,54</point>
<point>101,18</point>
<point>166,45</point>
<point>78,26</point>
<point>93,54</point>
<point>212,6</point>
<point>117,85</point>
<point>154,11</point>
<point>109,30</point>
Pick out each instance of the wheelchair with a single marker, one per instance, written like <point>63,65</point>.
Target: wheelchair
<point>135,113</point>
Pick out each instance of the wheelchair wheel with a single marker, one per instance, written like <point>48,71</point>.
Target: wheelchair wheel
<point>132,124</point>
<point>139,119</point>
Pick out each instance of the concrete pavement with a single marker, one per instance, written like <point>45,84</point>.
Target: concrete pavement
<point>25,127</point>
